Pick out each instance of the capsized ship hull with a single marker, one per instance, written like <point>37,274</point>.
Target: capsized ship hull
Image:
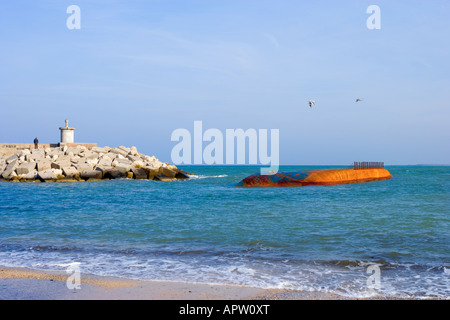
<point>315,177</point>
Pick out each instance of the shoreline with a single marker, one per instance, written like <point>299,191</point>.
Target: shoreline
<point>30,284</point>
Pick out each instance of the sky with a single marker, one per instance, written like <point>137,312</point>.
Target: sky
<point>136,71</point>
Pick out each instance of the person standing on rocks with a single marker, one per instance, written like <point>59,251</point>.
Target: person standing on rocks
<point>36,142</point>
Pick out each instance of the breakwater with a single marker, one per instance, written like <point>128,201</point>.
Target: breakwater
<point>80,163</point>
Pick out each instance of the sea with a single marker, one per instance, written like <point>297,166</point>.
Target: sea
<point>386,238</point>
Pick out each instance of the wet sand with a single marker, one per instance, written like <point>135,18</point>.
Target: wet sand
<point>25,284</point>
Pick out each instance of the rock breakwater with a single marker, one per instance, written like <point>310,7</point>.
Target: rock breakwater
<point>85,164</point>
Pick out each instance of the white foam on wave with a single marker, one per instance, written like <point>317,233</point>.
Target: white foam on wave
<point>194,176</point>
<point>347,281</point>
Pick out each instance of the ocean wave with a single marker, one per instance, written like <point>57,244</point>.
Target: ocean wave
<point>52,248</point>
<point>194,176</point>
<point>346,278</point>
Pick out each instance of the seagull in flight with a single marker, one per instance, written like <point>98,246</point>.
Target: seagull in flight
<point>311,102</point>
<point>358,100</point>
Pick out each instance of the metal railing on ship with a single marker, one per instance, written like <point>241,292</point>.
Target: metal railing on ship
<point>368,165</point>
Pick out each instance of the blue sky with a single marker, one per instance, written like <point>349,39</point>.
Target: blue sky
<point>138,70</point>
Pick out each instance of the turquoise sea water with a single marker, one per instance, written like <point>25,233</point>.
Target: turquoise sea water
<point>206,230</point>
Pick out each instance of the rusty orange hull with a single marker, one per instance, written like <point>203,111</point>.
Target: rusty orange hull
<point>316,177</point>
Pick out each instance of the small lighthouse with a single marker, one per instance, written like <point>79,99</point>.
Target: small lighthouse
<point>67,134</point>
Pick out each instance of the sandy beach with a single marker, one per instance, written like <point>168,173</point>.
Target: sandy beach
<point>18,284</point>
<point>26,284</point>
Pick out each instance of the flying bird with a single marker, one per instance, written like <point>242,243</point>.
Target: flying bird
<point>358,100</point>
<point>311,102</point>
